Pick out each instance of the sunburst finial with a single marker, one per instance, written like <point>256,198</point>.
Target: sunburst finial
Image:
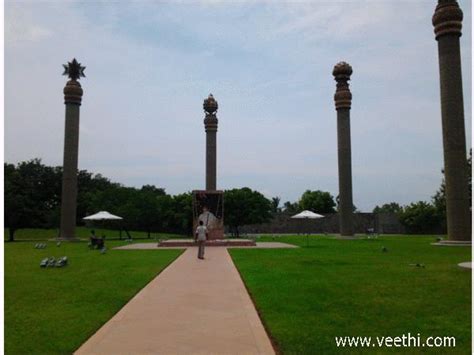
<point>74,70</point>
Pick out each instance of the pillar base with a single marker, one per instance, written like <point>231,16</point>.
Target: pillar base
<point>60,239</point>
<point>345,237</point>
<point>466,265</point>
<point>454,243</point>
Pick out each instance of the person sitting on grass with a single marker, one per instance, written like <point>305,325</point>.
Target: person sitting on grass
<point>95,241</point>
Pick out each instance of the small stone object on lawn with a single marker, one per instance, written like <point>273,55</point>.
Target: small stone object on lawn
<point>62,261</point>
<point>103,250</point>
<point>58,244</point>
<point>51,262</point>
<point>384,249</point>
<point>44,262</point>
<point>418,265</point>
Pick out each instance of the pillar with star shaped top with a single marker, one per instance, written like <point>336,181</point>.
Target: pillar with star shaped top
<point>72,100</point>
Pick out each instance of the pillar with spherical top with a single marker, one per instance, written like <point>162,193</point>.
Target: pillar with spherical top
<point>343,98</point>
<point>72,100</point>
<point>210,123</point>
<point>447,22</point>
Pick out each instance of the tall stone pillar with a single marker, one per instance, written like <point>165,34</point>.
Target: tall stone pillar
<point>72,99</point>
<point>210,123</point>
<point>343,97</point>
<point>447,22</point>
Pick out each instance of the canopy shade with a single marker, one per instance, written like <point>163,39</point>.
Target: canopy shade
<point>102,215</point>
<point>307,214</point>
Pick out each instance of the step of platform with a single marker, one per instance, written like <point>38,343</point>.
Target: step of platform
<point>209,243</point>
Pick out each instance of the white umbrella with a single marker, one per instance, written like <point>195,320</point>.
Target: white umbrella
<point>100,216</point>
<point>307,215</point>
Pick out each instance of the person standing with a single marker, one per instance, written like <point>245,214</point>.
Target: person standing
<point>201,236</point>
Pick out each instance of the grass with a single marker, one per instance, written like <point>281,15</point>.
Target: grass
<point>309,295</point>
<point>53,311</point>
<point>30,234</point>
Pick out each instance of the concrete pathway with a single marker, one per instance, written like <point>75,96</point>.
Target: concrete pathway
<point>193,307</point>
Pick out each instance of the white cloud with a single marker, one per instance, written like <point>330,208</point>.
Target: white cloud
<point>20,26</point>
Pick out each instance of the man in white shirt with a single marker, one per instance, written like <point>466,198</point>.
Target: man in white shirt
<point>201,236</point>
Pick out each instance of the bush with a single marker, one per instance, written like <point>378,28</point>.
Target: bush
<point>420,218</point>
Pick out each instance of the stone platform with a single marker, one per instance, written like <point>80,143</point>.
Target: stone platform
<point>453,243</point>
<point>209,243</point>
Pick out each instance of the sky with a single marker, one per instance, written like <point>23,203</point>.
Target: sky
<point>150,65</point>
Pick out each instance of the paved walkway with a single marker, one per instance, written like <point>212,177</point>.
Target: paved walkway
<point>193,307</point>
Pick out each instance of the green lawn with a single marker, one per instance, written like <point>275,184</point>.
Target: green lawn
<point>309,295</point>
<point>53,311</point>
<point>30,234</point>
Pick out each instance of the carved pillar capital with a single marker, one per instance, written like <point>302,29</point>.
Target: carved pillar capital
<point>73,92</point>
<point>342,74</point>
<point>447,19</point>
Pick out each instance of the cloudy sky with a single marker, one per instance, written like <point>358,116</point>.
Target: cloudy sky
<point>150,65</point>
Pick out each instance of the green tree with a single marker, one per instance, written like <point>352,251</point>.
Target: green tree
<point>245,206</point>
<point>31,195</point>
<point>439,198</point>
<point>291,207</point>
<point>88,185</point>
<point>317,201</point>
<point>149,204</point>
<point>276,204</point>
<point>181,214</point>
<point>391,207</point>
<point>420,217</point>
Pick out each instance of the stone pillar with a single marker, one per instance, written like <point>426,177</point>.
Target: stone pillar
<point>210,123</point>
<point>447,22</point>
<point>342,73</point>
<point>72,99</point>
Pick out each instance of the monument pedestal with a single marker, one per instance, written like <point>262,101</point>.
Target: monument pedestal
<point>208,208</point>
<point>454,243</point>
<point>209,243</point>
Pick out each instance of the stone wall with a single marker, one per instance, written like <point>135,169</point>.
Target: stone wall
<point>283,223</point>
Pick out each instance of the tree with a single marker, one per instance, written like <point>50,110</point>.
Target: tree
<point>181,219</point>
<point>275,204</point>
<point>317,201</point>
<point>391,207</point>
<point>148,202</point>
<point>439,198</point>
<point>291,207</point>
<point>31,194</point>
<point>245,206</point>
<point>420,217</point>
<point>88,185</point>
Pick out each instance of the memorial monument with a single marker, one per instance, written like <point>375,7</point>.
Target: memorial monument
<point>210,124</point>
<point>447,22</point>
<point>72,99</point>
<point>208,204</point>
<point>343,98</point>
